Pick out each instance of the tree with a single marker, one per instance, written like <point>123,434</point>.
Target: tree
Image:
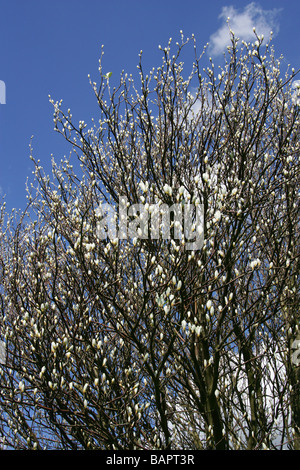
<point>139,342</point>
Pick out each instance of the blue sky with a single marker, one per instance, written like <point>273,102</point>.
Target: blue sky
<point>50,47</point>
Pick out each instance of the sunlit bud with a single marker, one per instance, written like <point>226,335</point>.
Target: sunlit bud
<point>146,357</point>
<point>21,386</point>
<point>198,330</point>
<point>217,216</point>
<point>181,190</point>
<point>144,186</point>
<point>205,177</point>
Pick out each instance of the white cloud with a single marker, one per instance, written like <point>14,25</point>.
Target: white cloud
<point>241,22</point>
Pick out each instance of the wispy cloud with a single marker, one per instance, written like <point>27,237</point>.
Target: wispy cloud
<point>242,22</point>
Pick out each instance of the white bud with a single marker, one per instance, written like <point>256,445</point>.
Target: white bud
<point>205,177</point>
<point>198,330</point>
<point>217,216</point>
<point>167,189</point>
<point>146,357</point>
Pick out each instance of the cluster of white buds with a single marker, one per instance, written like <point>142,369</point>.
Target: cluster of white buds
<point>255,263</point>
<point>144,186</point>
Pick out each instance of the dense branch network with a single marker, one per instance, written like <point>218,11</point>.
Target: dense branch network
<point>141,343</point>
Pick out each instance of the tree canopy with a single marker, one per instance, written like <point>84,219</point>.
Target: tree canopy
<point>139,342</point>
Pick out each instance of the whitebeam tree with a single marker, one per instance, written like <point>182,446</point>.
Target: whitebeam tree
<point>141,343</point>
